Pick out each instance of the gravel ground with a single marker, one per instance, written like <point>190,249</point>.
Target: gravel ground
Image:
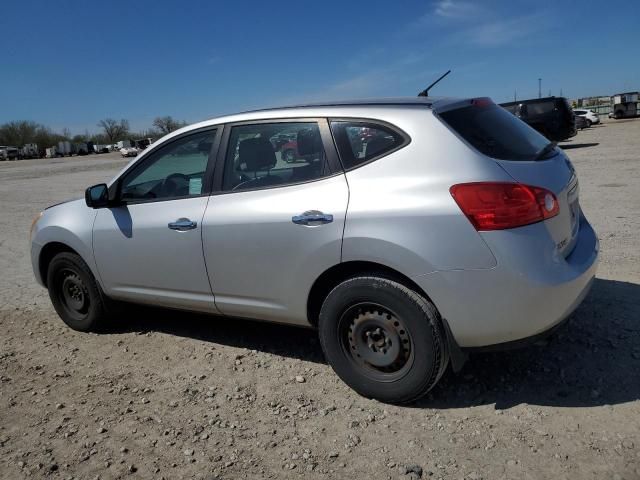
<point>173,395</point>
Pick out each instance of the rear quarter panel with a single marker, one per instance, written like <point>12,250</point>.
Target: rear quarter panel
<point>401,213</point>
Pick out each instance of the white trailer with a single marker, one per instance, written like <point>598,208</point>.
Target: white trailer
<point>123,144</point>
<point>64,148</point>
<point>51,152</point>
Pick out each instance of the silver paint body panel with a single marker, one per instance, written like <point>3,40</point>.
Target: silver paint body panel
<point>247,258</point>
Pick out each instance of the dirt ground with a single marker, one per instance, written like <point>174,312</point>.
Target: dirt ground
<point>174,395</point>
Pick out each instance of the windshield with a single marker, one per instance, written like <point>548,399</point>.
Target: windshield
<point>495,132</point>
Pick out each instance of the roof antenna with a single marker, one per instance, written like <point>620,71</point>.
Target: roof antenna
<point>425,92</point>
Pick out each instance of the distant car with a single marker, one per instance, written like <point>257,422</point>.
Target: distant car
<point>129,152</point>
<point>590,116</point>
<point>550,116</point>
<point>581,123</point>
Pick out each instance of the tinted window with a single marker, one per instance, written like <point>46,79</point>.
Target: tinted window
<point>493,131</point>
<point>359,142</point>
<point>174,171</point>
<point>540,108</point>
<point>274,154</point>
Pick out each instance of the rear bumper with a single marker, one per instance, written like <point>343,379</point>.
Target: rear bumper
<point>524,296</point>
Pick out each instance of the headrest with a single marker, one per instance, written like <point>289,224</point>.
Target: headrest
<point>257,154</point>
<point>309,141</point>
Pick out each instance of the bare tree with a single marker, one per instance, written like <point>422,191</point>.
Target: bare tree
<point>167,124</point>
<point>113,129</point>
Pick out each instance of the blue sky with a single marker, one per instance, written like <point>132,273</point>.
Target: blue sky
<point>70,63</point>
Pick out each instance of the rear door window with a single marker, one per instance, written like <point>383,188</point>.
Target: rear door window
<point>268,155</point>
<point>494,132</point>
<point>360,142</point>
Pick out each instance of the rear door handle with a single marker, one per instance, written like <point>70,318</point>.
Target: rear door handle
<point>312,218</point>
<point>182,225</point>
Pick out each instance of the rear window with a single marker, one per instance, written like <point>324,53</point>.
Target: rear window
<point>540,108</point>
<point>495,132</point>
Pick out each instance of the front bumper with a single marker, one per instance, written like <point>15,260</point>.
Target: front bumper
<point>525,295</point>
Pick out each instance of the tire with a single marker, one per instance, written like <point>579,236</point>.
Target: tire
<point>383,339</point>
<point>289,156</point>
<point>589,123</point>
<point>75,294</point>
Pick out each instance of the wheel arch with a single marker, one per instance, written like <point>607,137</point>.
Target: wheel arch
<point>47,253</point>
<point>336,274</point>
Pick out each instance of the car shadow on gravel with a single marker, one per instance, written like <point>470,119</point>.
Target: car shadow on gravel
<point>592,361</point>
<point>578,145</point>
<point>284,340</point>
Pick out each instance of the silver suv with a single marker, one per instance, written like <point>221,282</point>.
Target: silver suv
<point>407,231</point>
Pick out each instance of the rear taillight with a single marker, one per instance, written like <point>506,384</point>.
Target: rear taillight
<point>500,205</point>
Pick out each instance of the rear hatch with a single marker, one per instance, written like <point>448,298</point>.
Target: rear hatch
<point>527,156</point>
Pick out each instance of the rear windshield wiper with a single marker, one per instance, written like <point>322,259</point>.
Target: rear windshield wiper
<point>548,148</point>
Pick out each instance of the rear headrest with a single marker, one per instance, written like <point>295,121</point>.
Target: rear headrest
<point>309,141</point>
<point>257,154</point>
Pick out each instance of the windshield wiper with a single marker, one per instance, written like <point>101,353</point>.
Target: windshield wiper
<point>548,148</point>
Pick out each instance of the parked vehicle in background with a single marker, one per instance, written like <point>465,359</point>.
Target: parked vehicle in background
<point>581,123</point>
<point>550,116</point>
<point>142,143</point>
<point>81,148</point>
<point>459,229</point>
<point>129,152</point>
<point>101,148</point>
<point>123,144</point>
<point>51,152</point>
<point>64,148</point>
<point>590,116</point>
<point>625,105</point>
<point>30,150</point>
<point>9,153</point>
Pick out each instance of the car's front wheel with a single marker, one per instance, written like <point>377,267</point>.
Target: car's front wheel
<point>383,339</point>
<point>75,294</point>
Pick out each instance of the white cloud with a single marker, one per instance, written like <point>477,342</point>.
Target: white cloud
<point>505,31</point>
<point>458,10</point>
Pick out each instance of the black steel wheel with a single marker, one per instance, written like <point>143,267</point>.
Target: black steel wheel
<point>377,340</point>
<point>74,293</point>
<point>383,339</point>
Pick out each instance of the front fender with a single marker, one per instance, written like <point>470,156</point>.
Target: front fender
<point>70,224</point>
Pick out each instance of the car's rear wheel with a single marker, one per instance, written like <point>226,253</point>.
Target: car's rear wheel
<point>383,339</point>
<point>589,123</point>
<point>75,293</point>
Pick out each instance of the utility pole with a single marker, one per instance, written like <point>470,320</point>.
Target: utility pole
<point>539,88</point>
<point>515,95</point>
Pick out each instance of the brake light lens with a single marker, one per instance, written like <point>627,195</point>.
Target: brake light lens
<point>502,205</point>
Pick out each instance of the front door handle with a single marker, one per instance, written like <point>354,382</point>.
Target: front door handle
<point>312,218</point>
<point>182,225</point>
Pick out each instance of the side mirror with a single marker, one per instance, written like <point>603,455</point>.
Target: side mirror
<point>97,196</point>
